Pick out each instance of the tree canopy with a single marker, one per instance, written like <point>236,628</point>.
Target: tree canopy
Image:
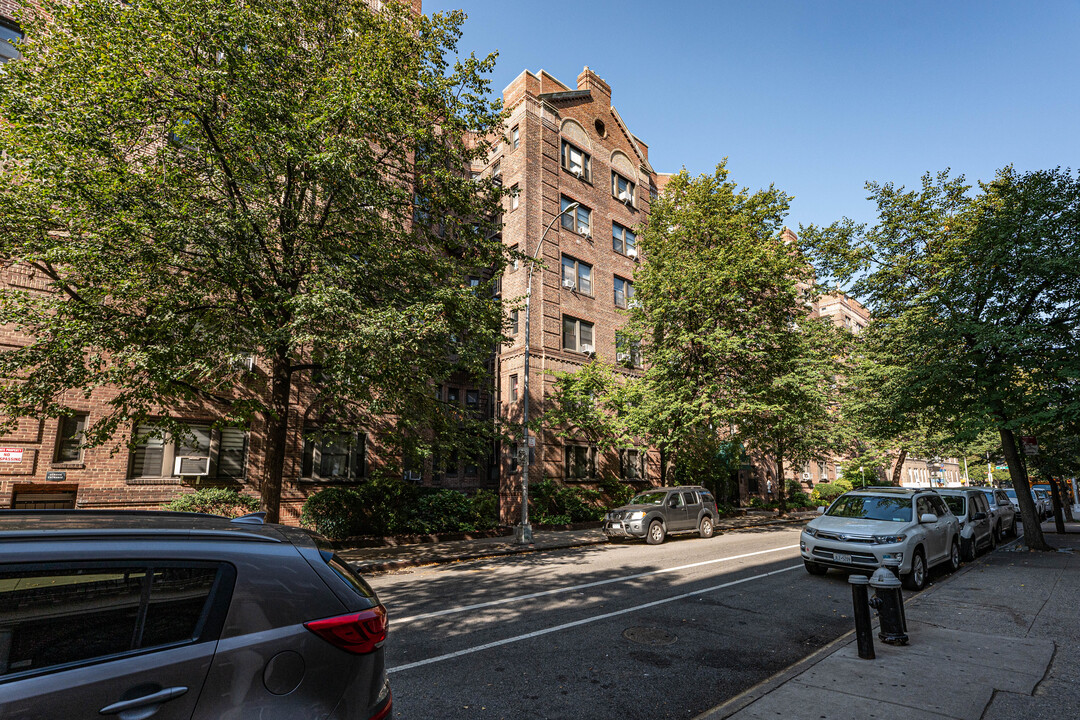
<point>197,181</point>
<point>977,296</point>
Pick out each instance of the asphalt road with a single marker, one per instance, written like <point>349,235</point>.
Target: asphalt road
<point>627,631</point>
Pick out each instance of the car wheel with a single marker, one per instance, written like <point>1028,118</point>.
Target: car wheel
<point>994,534</point>
<point>705,529</point>
<point>967,550</point>
<point>1014,531</point>
<point>954,553</point>
<point>656,533</point>
<point>814,569</point>
<point>916,579</point>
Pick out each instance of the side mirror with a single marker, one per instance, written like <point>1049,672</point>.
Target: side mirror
<point>673,503</point>
<point>928,518</point>
<point>979,516</point>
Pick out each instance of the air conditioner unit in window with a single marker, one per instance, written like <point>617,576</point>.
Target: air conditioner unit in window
<point>191,465</point>
<point>577,172</point>
<point>624,196</point>
<point>583,230</point>
<point>633,305</point>
<point>245,363</point>
<point>622,357</point>
<point>587,349</point>
<point>807,476</point>
<point>632,252</point>
<point>568,284</point>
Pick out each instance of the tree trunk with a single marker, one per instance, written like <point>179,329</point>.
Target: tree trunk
<point>1066,503</point>
<point>277,431</point>
<point>663,464</point>
<point>781,482</point>
<point>1059,520</point>
<point>899,468</point>
<point>1033,535</point>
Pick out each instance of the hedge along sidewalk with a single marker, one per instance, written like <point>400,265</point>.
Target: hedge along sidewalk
<point>399,556</point>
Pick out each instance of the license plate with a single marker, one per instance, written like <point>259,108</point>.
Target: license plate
<point>841,558</point>
<point>616,526</point>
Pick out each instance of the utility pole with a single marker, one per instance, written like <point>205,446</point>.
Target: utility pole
<point>523,532</point>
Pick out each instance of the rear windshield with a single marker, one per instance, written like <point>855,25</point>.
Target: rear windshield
<point>650,498</point>
<point>346,573</point>
<point>1011,493</point>
<point>890,509</point>
<point>956,503</point>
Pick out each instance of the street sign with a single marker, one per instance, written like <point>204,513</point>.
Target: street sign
<point>56,476</point>
<point>532,441</point>
<point>1029,445</point>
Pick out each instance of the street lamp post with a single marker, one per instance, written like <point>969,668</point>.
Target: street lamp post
<point>862,476</point>
<point>523,532</point>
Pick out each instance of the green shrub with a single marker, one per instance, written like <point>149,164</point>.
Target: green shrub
<point>215,501</point>
<point>334,512</point>
<point>825,493</point>
<point>552,503</point>
<point>387,505</point>
<point>793,487</point>
<point>755,502</point>
<point>801,500</point>
<point>845,484</point>
<point>485,509</point>
<point>442,511</point>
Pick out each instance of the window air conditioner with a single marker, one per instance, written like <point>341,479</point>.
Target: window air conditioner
<point>632,252</point>
<point>191,465</point>
<point>632,305</point>
<point>587,349</point>
<point>622,357</point>
<point>568,283</point>
<point>624,196</point>
<point>583,230</point>
<point>577,172</point>
<point>807,476</point>
<point>245,363</point>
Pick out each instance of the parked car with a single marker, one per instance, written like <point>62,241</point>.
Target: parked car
<point>1002,511</point>
<point>1011,494</point>
<point>183,615</point>
<point>864,528</point>
<point>1047,504</point>
<point>972,509</point>
<point>655,513</point>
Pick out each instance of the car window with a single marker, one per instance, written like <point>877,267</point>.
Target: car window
<point>690,498</point>
<point>982,504</point>
<point>706,497</point>
<point>922,506</point>
<point>940,508</point>
<point>890,509</point>
<point>656,497</point>
<point>1011,494</point>
<point>956,503</point>
<point>56,617</point>
<point>676,500</point>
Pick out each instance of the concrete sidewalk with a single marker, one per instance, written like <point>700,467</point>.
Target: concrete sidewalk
<point>997,640</point>
<point>383,559</point>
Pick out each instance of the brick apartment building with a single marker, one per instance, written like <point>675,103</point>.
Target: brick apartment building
<point>564,145</point>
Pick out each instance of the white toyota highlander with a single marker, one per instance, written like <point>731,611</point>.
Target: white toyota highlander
<point>864,528</point>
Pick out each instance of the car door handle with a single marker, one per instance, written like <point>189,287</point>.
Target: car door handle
<point>153,699</point>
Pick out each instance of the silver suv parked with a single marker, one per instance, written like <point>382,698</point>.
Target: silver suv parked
<point>864,528</point>
<point>1002,511</point>
<point>972,509</point>
<point>181,615</point>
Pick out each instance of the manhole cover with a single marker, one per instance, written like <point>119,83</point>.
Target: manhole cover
<point>649,636</point>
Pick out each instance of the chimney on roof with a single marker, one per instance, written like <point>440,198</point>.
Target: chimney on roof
<point>588,80</point>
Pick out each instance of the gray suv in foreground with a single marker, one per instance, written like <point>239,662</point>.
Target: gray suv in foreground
<point>655,513</point>
<point>181,615</point>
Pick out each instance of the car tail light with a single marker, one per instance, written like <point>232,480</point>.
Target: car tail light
<point>356,633</point>
<point>386,710</point>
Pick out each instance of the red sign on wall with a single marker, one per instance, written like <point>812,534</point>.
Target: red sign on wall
<point>11,454</point>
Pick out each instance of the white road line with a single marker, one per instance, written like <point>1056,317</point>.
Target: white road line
<point>518,598</point>
<point>586,621</point>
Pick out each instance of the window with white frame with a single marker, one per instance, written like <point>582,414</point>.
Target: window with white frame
<point>515,137</point>
<point>512,391</point>
<point>579,221</point>
<point>514,322</point>
<point>632,461</point>
<point>622,189</point>
<point>623,239</point>
<point>576,161</point>
<point>496,172</point>
<point>202,451</point>
<point>580,462</point>
<point>515,261</point>
<point>577,335</point>
<point>576,275</point>
<point>515,197</point>
<point>627,351</point>
<point>334,456</point>
<point>624,292</point>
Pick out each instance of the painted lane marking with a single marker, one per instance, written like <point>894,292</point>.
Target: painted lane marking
<point>586,621</point>
<point>572,588</point>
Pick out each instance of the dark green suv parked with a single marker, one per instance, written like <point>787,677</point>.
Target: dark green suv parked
<point>655,513</point>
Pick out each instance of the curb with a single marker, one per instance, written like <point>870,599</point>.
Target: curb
<point>391,565</point>
<point>754,693</point>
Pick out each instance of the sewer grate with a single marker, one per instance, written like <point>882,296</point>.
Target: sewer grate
<point>649,636</point>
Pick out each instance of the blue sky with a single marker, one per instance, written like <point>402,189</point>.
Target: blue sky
<point>816,97</point>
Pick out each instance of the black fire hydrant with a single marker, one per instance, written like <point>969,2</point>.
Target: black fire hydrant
<point>889,603</point>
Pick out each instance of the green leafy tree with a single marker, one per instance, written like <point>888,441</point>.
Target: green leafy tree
<point>978,296</point>
<point>197,181</point>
